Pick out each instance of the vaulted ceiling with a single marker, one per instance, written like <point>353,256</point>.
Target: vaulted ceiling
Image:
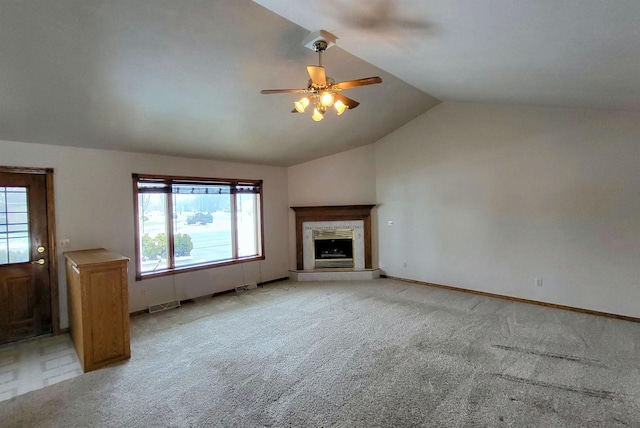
<point>184,77</point>
<point>552,53</point>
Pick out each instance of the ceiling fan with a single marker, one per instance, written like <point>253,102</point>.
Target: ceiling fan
<point>323,92</point>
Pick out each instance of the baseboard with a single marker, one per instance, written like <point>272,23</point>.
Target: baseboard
<point>219,293</point>
<point>222,293</point>
<point>284,278</point>
<point>518,299</point>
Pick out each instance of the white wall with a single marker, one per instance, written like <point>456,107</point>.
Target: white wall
<point>490,198</point>
<point>347,178</point>
<point>94,208</point>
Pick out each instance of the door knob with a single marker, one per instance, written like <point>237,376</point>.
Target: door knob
<point>38,262</point>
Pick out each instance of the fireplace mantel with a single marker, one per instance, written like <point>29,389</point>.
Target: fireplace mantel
<point>333,213</point>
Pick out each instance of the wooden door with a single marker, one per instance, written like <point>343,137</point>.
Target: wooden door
<point>25,257</point>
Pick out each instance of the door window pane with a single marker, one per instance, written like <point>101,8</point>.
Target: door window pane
<point>16,200</point>
<point>17,218</point>
<point>14,225</point>
<point>18,248</point>
<point>4,254</point>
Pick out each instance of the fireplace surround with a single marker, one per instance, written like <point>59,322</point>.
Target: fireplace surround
<point>352,228</point>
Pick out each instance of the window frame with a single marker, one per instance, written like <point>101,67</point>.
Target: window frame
<point>169,180</point>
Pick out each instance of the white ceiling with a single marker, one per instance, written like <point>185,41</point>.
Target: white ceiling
<point>180,77</point>
<point>558,53</point>
<point>183,77</point>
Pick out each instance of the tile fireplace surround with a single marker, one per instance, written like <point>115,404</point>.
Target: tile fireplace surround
<point>356,217</point>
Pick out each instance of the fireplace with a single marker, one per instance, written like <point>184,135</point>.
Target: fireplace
<point>333,248</point>
<point>333,243</point>
<point>337,220</point>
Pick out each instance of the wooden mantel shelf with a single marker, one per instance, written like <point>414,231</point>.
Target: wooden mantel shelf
<point>339,210</point>
<point>334,213</point>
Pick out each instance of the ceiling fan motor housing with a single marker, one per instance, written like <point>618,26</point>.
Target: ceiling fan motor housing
<point>320,46</point>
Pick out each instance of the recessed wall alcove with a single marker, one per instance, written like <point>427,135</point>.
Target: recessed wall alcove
<point>322,221</point>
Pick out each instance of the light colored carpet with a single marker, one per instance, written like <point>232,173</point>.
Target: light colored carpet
<point>355,354</point>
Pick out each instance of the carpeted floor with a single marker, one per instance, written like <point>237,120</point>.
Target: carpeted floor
<point>355,354</point>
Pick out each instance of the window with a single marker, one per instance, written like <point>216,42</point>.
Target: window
<point>195,223</point>
<point>14,225</point>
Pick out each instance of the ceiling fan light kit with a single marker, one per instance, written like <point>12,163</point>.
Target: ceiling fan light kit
<point>323,92</point>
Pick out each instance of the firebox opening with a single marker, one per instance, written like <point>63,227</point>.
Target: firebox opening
<point>333,248</point>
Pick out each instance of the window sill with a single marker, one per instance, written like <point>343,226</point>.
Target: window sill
<point>175,271</point>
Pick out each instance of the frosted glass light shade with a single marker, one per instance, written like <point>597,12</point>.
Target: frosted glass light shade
<point>317,115</point>
<point>327,99</point>
<point>301,105</point>
<point>340,107</point>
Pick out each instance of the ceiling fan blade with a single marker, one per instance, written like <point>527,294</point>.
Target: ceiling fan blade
<point>294,111</point>
<point>346,100</point>
<point>317,74</point>
<point>358,82</point>
<point>284,91</point>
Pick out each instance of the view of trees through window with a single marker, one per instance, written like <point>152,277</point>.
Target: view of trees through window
<point>207,223</point>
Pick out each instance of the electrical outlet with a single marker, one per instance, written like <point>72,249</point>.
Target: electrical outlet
<point>64,242</point>
<point>389,222</point>
<point>538,282</point>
